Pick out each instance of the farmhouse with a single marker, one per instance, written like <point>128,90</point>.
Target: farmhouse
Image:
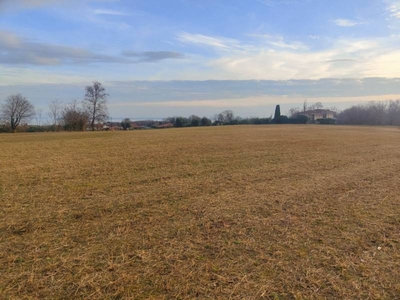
<point>316,115</point>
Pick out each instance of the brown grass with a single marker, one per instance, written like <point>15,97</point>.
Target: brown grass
<point>268,212</point>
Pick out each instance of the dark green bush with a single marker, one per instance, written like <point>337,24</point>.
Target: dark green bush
<point>281,120</point>
<point>327,121</point>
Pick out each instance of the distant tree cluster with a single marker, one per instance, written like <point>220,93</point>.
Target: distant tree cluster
<point>191,121</point>
<point>373,113</point>
<point>294,117</point>
<point>226,117</point>
<point>17,111</point>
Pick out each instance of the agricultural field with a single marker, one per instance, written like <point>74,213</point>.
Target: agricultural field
<point>234,212</point>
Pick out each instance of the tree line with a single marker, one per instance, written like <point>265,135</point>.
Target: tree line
<point>78,116</point>
<point>228,117</point>
<point>373,113</point>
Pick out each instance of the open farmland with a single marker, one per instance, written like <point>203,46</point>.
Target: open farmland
<point>246,212</point>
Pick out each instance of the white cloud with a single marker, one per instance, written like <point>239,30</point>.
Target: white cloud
<point>343,59</point>
<point>220,43</point>
<point>257,42</point>
<point>262,58</point>
<point>346,23</point>
<point>271,57</point>
<point>278,42</point>
<point>393,8</point>
<point>274,3</point>
<point>109,12</point>
<point>270,3</point>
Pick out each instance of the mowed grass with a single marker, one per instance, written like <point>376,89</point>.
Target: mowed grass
<point>246,212</point>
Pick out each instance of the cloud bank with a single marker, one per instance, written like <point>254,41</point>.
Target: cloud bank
<point>19,51</point>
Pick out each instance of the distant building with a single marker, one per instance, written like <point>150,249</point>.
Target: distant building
<point>316,115</point>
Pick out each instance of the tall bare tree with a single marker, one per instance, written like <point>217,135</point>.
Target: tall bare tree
<point>38,116</point>
<point>15,110</point>
<point>55,110</point>
<point>95,103</point>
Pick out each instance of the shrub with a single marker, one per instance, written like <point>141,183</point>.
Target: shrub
<point>281,120</point>
<point>300,119</point>
<point>74,120</point>
<point>205,121</point>
<point>126,124</point>
<point>180,122</point>
<point>327,121</point>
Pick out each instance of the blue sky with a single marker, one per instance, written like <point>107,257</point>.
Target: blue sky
<point>158,58</point>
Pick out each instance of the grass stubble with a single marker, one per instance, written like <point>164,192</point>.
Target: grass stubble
<point>246,212</point>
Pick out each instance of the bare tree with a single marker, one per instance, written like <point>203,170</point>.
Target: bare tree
<point>394,112</point>
<point>16,109</point>
<point>293,112</point>
<point>373,113</point>
<point>334,109</point>
<point>95,103</point>
<point>55,110</point>
<point>38,116</point>
<point>73,117</point>
<point>317,105</point>
<point>226,117</point>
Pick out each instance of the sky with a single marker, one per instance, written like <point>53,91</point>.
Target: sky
<point>159,58</point>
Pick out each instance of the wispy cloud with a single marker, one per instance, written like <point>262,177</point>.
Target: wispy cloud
<point>393,8</point>
<point>272,57</point>
<point>270,3</point>
<point>364,58</point>
<point>274,3</point>
<point>257,42</point>
<point>279,42</point>
<point>341,60</point>
<point>153,56</point>
<point>220,43</point>
<point>346,23</point>
<point>110,12</point>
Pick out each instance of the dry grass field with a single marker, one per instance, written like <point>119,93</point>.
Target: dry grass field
<point>246,212</point>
